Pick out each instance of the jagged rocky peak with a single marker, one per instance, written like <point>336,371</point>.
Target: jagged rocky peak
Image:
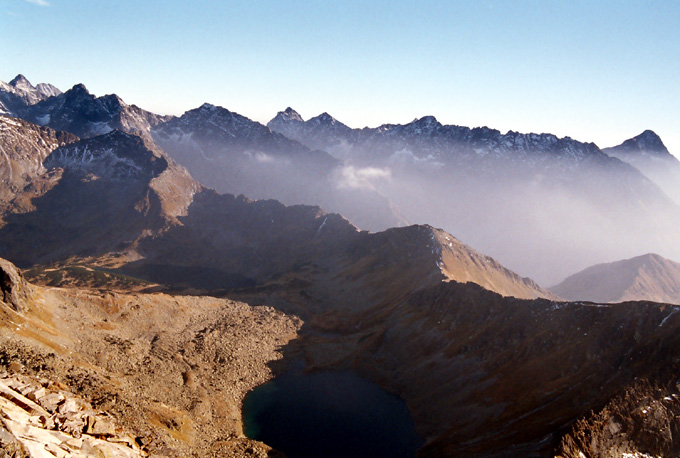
<point>426,124</point>
<point>20,93</point>
<point>85,115</point>
<point>112,100</point>
<point>426,121</point>
<point>79,89</point>
<point>324,118</point>
<point>47,89</point>
<point>115,155</point>
<point>212,120</point>
<point>21,82</point>
<point>14,290</point>
<point>208,110</point>
<point>648,141</point>
<point>288,115</point>
<point>208,107</point>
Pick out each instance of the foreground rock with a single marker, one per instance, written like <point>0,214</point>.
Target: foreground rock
<point>41,419</point>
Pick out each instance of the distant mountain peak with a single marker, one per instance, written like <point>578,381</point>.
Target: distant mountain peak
<point>207,107</point>
<point>292,114</point>
<point>646,277</point>
<point>79,89</point>
<point>647,142</point>
<point>426,121</point>
<point>21,82</point>
<point>650,141</point>
<point>324,119</point>
<point>47,90</point>
<point>287,115</point>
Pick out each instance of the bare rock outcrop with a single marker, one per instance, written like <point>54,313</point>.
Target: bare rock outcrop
<point>14,290</point>
<point>40,419</point>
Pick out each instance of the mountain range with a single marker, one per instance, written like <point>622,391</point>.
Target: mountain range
<point>525,199</point>
<point>124,216</point>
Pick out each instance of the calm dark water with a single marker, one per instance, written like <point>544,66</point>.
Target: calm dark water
<point>329,414</point>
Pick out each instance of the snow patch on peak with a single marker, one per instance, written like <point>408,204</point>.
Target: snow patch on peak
<point>286,118</point>
<point>208,107</point>
<point>290,115</point>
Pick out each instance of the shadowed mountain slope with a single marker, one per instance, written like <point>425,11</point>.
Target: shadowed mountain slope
<point>102,195</point>
<point>491,376</point>
<point>23,148</point>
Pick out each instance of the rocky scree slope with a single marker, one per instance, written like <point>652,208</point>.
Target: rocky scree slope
<point>648,277</point>
<point>42,419</point>
<point>88,372</point>
<point>642,421</point>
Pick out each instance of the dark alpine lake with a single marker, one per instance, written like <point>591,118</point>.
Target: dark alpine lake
<point>329,414</point>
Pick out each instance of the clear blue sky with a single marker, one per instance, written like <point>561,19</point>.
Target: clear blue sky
<point>599,71</point>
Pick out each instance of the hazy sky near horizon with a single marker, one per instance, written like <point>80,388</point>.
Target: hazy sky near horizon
<point>600,71</point>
